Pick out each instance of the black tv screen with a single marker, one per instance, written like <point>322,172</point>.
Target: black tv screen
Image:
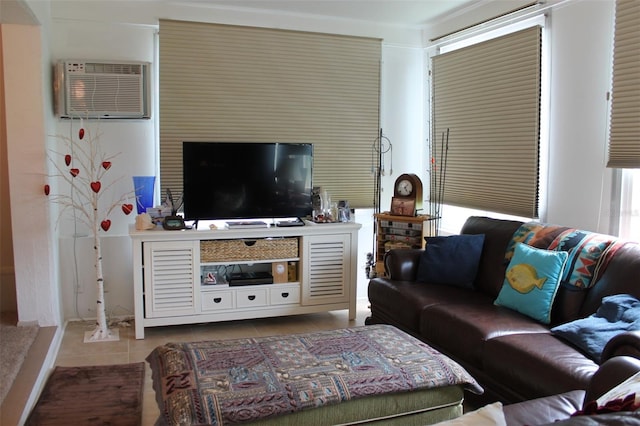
<point>234,180</point>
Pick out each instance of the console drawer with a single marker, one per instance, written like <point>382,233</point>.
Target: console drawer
<point>251,297</point>
<point>216,300</point>
<point>284,295</point>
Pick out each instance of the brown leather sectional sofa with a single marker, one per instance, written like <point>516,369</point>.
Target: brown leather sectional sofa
<point>515,358</point>
<point>559,409</point>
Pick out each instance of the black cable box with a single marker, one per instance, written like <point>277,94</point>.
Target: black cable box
<point>250,278</point>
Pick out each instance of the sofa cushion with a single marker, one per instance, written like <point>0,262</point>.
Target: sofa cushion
<point>531,281</point>
<point>404,300</point>
<point>497,234</point>
<point>460,328</point>
<point>536,364</point>
<point>567,304</point>
<point>620,277</point>
<point>451,260</point>
<point>617,314</point>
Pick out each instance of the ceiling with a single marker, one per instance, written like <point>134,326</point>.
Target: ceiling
<point>384,12</point>
<point>16,12</point>
<point>408,13</point>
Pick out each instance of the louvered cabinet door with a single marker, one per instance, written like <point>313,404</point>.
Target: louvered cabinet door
<point>170,276</point>
<point>326,269</point>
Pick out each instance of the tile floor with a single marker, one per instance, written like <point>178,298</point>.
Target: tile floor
<point>74,352</point>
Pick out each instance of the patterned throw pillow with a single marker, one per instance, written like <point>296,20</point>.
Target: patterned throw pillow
<point>531,281</point>
<point>589,252</point>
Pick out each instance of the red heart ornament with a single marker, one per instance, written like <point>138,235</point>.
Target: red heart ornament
<point>47,189</point>
<point>67,159</point>
<point>74,172</point>
<point>106,165</point>
<point>81,133</point>
<point>127,208</point>
<point>105,225</point>
<point>95,186</point>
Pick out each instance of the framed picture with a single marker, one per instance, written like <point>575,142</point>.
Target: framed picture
<point>403,206</point>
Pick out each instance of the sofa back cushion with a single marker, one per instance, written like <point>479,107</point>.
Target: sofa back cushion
<point>622,276</point>
<point>589,252</point>
<point>497,235</point>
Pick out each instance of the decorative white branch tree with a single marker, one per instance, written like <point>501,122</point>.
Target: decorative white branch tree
<point>84,170</point>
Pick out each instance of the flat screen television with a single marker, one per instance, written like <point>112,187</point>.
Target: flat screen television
<point>235,180</point>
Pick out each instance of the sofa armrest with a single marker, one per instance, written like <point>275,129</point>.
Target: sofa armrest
<point>558,407</point>
<point>610,374</point>
<point>402,264</point>
<point>547,409</point>
<point>627,343</point>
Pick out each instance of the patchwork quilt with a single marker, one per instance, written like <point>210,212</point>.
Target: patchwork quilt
<point>240,380</point>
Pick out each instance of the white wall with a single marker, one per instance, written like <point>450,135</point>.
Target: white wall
<point>133,142</point>
<point>127,32</point>
<point>34,257</point>
<point>581,37</point>
<point>580,40</point>
<point>402,116</point>
<point>581,55</point>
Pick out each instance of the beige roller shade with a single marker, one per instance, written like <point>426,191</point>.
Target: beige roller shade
<point>244,84</point>
<point>624,132</point>
<point>488,96</point>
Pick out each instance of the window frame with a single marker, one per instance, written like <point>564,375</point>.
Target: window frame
<point>452,217</point>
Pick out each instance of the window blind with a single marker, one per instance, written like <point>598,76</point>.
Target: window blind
<point>624,131</point>
<point>245,84</point>
<point>488,96</point>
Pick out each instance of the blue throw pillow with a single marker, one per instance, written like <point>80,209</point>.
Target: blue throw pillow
<point>531,281</point>
<point>451,260</point>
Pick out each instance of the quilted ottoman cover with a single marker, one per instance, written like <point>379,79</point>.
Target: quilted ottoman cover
<point>241,380</point>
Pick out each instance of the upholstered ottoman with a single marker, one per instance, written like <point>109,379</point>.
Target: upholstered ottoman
<point>361,374</point>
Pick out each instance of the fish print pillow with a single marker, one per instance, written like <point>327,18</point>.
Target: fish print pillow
<point>531,281</point>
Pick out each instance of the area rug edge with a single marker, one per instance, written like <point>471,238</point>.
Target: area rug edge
<point>90,394</point>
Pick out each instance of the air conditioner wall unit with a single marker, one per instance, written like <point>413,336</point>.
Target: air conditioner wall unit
<point>95,89</point>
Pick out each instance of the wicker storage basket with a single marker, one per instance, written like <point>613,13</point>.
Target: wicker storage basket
<point>259,249</point>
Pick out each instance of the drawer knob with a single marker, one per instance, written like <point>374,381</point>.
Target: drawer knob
<point>252,297</point>
<point>217,299</point>
<point>285,294</point>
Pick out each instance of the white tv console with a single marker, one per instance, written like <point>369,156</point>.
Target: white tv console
<point>316,273</point>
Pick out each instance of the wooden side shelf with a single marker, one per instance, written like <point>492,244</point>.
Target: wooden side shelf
<point>398,232</point>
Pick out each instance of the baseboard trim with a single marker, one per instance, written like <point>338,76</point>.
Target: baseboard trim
<point>45,350</point>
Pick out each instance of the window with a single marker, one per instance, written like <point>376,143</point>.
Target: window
<point>624,131</point>
<point>489,96</point>
<point>630,205</point>
<point>247,84</point>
